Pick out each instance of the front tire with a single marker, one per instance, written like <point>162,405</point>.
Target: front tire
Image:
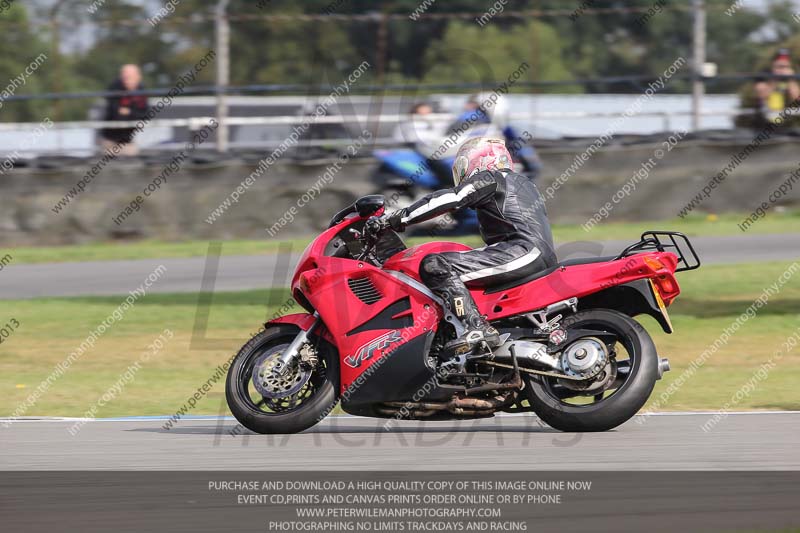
<point>279,417</point>
<point>606,412</point>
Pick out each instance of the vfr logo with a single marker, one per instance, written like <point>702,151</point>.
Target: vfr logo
<point>372,347</point>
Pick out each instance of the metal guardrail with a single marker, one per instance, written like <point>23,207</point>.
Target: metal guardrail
<point>196,123</point>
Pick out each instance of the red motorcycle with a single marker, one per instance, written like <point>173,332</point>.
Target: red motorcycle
<point>373,337</point>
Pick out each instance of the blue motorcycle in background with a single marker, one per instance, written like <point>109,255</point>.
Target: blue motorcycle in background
<point>406,174</point>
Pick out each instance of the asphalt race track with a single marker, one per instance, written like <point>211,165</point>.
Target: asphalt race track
<point>233,273</point>
<point>673,441</point>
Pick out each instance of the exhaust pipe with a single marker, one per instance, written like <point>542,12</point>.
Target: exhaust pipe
<point>663,366</point>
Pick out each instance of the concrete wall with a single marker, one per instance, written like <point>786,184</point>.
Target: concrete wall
<point>179,209</point>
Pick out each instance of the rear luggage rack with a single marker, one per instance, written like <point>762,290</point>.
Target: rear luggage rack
<point>678,244</point>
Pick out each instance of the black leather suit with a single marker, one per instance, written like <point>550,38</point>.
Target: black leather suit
<point>513,223</point>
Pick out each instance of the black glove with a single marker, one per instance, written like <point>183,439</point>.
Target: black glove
<point>375,226</point>
<point>395,220</point>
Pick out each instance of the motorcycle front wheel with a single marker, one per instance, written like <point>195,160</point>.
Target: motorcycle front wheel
<point>290,404</point>
<point>562,407</point>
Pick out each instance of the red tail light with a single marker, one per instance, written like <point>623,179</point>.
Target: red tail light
<point>667,285</point>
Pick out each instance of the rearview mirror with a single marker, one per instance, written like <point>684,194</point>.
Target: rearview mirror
<point>369,205</point>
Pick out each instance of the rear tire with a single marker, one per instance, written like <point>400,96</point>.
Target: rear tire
<point>297,419</point>
<point>620,406</point>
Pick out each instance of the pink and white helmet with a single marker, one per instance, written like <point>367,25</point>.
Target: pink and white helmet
<point>481,153</point>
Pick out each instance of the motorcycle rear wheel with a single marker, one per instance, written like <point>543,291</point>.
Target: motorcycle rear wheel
<point>294,413</point>
<point>610,408</point>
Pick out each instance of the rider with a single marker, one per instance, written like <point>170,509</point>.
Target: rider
<point>513,223</point>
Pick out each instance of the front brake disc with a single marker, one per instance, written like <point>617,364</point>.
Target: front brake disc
<point>271,383</point>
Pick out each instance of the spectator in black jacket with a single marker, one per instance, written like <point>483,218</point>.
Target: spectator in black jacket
<point>124,107</point>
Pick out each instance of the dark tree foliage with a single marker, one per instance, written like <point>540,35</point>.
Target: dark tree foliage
<point>567,42</point>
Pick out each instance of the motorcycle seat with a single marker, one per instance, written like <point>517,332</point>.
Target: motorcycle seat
<point>542,273</point>
<point>586,260</point>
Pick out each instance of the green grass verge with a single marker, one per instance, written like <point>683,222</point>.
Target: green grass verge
<point>50,329</point>
<point>786,222</point>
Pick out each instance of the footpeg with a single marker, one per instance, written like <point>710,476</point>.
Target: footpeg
<point>463,345</point>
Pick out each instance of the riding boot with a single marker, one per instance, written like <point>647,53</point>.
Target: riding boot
<point>438,275</point>
<point>477,329</point>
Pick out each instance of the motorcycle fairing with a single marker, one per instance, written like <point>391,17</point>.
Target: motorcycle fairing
<point>359,304</point>
<point>400,375</point>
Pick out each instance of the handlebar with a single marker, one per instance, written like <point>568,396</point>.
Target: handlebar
<point>374,228</point>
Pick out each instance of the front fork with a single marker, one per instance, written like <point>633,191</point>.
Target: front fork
<point>292,353</point>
